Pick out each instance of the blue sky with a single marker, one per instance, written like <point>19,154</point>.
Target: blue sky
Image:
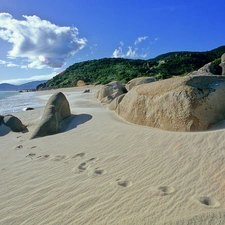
<point>41,38</point>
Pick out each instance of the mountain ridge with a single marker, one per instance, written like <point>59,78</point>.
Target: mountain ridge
<point>105,70</point>
<point>25,86</point>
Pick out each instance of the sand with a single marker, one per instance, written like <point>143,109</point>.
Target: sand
<point>104,170</point>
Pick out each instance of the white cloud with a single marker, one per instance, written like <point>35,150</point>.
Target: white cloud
<point>3,62</point>
<point>25,80</point>
<point>7,63</point>
<point>154,41</point>
<point>118,53</point>
<point>132,52</point>
<point>40,42</point>
<point>140,39</point>
<point>12,65</point>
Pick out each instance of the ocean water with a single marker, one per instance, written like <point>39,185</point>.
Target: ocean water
<point>13,101</point>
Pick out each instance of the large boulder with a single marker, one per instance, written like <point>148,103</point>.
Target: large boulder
<point>13,123</point>
<point>137,81</point>
<point>113,105</point>
<point>110,91</point>
<point>222,64</point>
<point>56,110</point>
<point>207,68</point>
<point>190,103</point>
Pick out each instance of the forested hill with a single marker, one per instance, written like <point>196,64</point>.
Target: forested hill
<point>105,70</point>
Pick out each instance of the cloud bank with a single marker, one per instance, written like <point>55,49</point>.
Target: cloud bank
<point>39,42</point>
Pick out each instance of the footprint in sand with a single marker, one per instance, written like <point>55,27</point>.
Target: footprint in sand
<point>166,190</point>
<point>208,201</point>
<point>19,147</point>
<point>83,166</point>
<point>100,171</point>
<point>43,156</point>
<point>92,160</point>
<point>124,183</point>
<point>58,158</point>
<point>86,165</point>
<point>31,155</point>
<point>79,155</point>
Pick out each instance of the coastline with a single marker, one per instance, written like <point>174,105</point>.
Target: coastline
<point>104,170</point>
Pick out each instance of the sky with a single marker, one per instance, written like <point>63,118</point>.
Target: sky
<point>41,38</point>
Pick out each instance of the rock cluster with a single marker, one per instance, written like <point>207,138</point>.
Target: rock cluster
<point>110,91</point>
<point>190,103</point>
<point>56,110</point>
<point>113,90</point>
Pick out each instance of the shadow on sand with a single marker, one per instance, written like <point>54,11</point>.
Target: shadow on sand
<point>4,130</point>
<point>73,121</point>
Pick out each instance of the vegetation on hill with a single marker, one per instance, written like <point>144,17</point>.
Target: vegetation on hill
<point>105,70</point>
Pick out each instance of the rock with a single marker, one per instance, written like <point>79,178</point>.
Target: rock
<point>138,81</point>
<point>27,109</point>
<point>208,68</point>
<point>222,64</point>
<point>223,58</point>
<point>96,95</point>
<point>13,123</point>
<point>190,103</point>
<point>80,83</point>
<point>56,110</point>
<point>1,119</point>
<point>110,91</point>
<point>113,105</point>
<point>86,91</point>
<point>199,73</point>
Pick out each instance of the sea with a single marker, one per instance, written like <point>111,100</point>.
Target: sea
<point>14,101</point>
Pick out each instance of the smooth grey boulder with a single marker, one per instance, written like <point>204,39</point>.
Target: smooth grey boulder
<point>113,105</point>
<point>207,68</point>
<point>110,91</point>
<point>57,109</point>
<point>138,81</point>
<point>190,103</point>
<point>13,123</point>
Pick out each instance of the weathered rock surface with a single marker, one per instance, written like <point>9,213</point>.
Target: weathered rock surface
<point>56,110</point>
<point>113,105</point>
<point>208,68</point>
<point>110,91</point>
<point>138,81</point>
<point>13,123</point>
<point>222,64</point>
<point>190,103</point>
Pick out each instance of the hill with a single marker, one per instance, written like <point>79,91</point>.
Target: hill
<point>104,70</point>
<point>29,85</point>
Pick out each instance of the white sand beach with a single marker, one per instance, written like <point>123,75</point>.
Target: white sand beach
<point>104,170</point>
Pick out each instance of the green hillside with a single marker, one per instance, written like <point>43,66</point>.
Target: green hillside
<point>104,70</point>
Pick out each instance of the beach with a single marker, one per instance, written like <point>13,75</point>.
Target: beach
<point>105,170</point>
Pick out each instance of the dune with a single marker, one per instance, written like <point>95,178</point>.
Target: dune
<point>104,170</point>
